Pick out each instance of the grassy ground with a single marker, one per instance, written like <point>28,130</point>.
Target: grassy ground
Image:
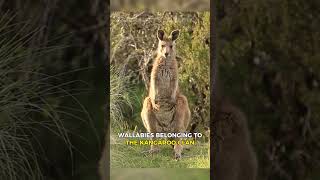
<point>127,156</point>
<point>160,174</point>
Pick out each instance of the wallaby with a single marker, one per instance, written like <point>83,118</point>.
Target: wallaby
<point>235,157</point>
<point>165,109</point>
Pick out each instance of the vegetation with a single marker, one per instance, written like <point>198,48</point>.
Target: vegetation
<point>125,156</point>
<point>51,93</point>
<point>269,65</point>
<point>25,102</point>
<point>120,99</point>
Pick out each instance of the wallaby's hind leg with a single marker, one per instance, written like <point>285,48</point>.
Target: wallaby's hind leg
<point>181,122</point>
<point>149,121</point>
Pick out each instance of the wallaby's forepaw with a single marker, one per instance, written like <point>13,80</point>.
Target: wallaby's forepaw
<point>177,152</point>
<point>156,107</point>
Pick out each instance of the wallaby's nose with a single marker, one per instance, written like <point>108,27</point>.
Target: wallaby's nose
<point>166,54</point>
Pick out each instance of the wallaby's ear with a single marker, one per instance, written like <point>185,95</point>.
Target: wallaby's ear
<point>160,34</point>
<point>175,35</point>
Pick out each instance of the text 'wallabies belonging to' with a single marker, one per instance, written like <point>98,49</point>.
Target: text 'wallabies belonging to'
<point>166,109</point>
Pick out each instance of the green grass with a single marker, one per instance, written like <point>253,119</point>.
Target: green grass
<point>128,156</point>
<point>159,174</point>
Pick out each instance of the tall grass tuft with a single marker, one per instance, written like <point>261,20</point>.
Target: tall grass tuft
<point>29,102</point>
<point>120,100</point>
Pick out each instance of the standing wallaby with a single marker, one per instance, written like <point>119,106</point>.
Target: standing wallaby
<point>165,109</point>
<point>235,157</point>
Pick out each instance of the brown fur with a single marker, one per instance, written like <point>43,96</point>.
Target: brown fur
<point>236,159</point>
<point>165,109</point>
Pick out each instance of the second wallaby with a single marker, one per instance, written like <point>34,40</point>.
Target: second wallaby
<point>235,156</point>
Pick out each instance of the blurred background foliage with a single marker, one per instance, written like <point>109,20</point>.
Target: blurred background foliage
<point>52,89</point>
<point>133,49</point>
<point>269,65</point>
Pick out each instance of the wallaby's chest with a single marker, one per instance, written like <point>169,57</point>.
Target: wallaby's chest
<point>165,74</point>
<point>164,77</point>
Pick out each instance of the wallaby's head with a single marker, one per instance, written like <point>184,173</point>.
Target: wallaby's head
<point>167,45</point>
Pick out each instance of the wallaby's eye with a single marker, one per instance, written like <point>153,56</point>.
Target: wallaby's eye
<point>171,46</point>
<point>163,46</point>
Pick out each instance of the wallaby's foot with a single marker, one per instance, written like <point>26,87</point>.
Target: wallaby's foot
<point>177,156</point>
<point>178,151</point>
